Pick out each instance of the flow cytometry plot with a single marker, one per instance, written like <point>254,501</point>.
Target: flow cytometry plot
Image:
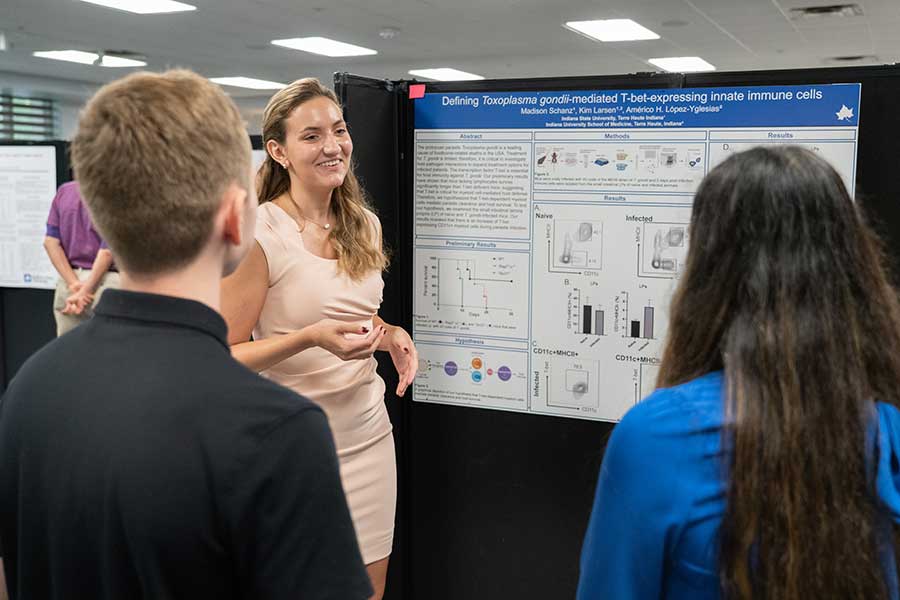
<point>663,249</point>
<point>577,244</point>
<point>578,382</point>
<point>574,384</point>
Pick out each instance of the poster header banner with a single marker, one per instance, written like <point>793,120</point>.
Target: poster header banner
<point>833,105</point>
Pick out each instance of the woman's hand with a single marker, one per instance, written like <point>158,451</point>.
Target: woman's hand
<point>403,353</point>
<point>362,343</point>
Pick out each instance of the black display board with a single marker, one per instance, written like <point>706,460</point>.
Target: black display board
<point>496,503</point>
<point>26,315</point>
<point>372,112</point>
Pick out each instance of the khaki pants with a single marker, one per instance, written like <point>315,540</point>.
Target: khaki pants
<point>66,323</point>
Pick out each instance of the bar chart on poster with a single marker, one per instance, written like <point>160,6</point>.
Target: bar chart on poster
<point>550,230</point>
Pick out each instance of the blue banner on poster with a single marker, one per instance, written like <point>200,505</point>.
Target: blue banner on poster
<point>832,105</point>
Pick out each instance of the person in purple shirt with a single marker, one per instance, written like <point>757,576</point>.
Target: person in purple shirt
<point>82,259</point>
<point>767,462</point>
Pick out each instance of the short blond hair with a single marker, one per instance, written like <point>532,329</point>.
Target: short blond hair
<point>154,153</point>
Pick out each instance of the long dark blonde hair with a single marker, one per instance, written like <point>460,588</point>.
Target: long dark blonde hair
<point>784,288</point>
<point>354,236</point>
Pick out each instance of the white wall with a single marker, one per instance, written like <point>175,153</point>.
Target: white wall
<point>67,119</point>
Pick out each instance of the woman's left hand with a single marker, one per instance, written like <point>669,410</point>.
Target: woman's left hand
<point>403,353</point>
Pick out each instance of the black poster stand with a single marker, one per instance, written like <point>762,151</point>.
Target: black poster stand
<point>494,504</point>
<point>26,315</point>
<point>372,110</point>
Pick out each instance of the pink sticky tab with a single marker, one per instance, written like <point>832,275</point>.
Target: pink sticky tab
<point>416,90</point>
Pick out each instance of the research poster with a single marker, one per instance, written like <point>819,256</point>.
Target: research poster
<point>27,186</point>
<point>551,228</point>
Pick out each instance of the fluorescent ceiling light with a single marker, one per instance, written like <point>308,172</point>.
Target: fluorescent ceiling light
<point>144,7</point>
<point>76,56</point>
<point>612,30</point>
<point>324,46</point>
<point>682,64</point>
<point>120,61</point>
<point>445,74</point>
<point>248,82</point>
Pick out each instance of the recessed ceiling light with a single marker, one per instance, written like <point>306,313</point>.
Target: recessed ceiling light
<point>612,30</point>
<point>682,64</point>
<point>853,58</point>
<point>248,82</point>
<point>324,46</point>
<point>109,60</point>
<point>76,56</point>
<point>445,74</point>
<point>829,10</point>
<point>144,7</point>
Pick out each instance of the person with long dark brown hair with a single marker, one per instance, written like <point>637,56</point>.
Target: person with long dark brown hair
<point>309,292</point>
<point>765,465</point>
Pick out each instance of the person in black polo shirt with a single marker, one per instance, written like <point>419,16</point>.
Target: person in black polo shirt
<point>137,458</point>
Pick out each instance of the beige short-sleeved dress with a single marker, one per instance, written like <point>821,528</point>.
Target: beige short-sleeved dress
<point>303,289</point>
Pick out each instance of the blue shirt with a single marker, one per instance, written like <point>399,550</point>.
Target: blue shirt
<point>661,495</point>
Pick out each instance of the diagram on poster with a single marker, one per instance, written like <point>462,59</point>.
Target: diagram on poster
<point>620,167</point>
<point>475,377</point>
<point>551,230</point>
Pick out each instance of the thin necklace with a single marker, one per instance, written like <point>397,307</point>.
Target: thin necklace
<point>325,226</point>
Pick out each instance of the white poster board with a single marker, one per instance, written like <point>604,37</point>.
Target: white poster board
<point>551,228</point>
<point>27,186</point>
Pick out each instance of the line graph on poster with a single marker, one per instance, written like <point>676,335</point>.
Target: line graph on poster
<point>473,292</point>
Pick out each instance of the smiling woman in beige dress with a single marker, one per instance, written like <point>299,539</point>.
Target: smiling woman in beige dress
<point>309,293</point>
